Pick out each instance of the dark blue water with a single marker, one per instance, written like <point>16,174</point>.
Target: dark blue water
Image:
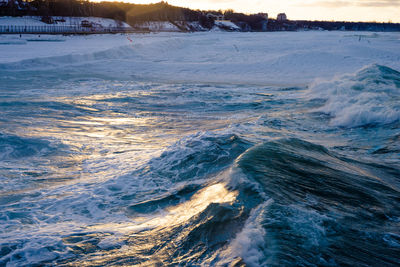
<point>100,172</point>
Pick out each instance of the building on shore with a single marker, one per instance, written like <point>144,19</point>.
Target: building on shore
<point>264,23</point>
<point>281,17</point>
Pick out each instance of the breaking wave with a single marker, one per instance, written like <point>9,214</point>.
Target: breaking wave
<point>285,202</point>
<point>369,97</point>
<point>327,210</point>
<point>216,199</point>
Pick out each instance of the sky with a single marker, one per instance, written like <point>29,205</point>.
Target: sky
<point>356,10</point>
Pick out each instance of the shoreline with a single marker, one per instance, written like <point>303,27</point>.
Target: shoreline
<point>98,25</point>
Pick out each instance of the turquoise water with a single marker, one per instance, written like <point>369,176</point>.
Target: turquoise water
<point>98,171</point>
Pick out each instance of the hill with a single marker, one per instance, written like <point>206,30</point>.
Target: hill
<point>182,19</point>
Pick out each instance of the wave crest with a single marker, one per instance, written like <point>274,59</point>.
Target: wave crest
<point>197,155</point>
<point>369,97</point>
<point>324,205</point>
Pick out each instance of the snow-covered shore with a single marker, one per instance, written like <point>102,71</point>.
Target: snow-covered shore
<point>60,21</point>
<point>30,24</point>
<point>61,25</point>
<point>220,57</point>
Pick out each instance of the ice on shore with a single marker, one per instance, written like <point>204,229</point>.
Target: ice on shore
<point>284,58</point>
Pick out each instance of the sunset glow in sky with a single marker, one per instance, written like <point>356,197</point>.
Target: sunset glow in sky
<point>356,10</point>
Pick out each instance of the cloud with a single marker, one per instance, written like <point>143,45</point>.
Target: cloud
<point>348,3</point>
<point>333,4</point>
<point>381,3</point>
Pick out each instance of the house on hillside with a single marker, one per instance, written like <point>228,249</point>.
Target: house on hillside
<point>281,17</point>
<point>216,17</point>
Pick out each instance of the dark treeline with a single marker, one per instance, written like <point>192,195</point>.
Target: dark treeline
<point>136,13</point>
<point>246,22</point>
<point>296,25</point>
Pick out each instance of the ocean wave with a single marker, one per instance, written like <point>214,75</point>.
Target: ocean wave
<point>197,155</point>
<point>294,203</point>
<point>194,225</point>
<point>282,202</point>
<point>369,97</point>
<point>327,210</point>
<point>178,171</point>
<point>247,246</point>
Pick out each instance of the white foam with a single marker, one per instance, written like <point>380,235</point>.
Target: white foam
<point>370,96</point>
<point>249,242</point>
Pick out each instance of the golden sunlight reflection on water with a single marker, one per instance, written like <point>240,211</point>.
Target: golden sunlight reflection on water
<point>149,229</point>
<point>176,215</point>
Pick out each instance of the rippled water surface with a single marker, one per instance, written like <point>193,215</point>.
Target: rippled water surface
<point>102,172</point>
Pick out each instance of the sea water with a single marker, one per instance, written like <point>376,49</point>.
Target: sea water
<point>100,171</point>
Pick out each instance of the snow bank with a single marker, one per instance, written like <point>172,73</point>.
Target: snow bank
<point>157,26</point>
<point>226,24</point>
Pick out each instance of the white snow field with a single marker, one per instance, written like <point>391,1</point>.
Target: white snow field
<point>281,58</point>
